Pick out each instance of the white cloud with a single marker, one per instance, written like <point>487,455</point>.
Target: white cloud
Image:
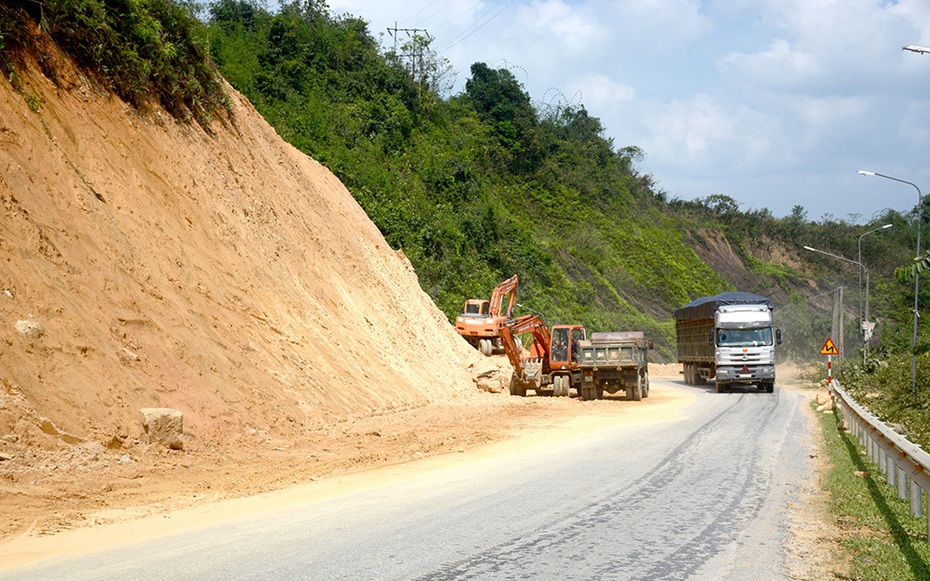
<point>598,90</point>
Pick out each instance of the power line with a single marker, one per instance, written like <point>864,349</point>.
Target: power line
<point>478,24</point>
<point>438,10</point>
<point>462,13</point>
<point>422,10</point>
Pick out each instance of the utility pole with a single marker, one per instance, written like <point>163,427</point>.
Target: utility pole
<point>837,331</point>
<point>416,58</point>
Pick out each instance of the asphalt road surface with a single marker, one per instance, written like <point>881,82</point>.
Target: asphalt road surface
<point>703,496</point>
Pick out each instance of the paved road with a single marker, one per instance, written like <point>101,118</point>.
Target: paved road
<point>700,497</point>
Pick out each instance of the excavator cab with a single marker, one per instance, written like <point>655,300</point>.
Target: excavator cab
<point>476,307</point>
<point>564,346</point>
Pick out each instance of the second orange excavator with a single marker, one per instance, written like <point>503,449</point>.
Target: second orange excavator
<point>481,320</point>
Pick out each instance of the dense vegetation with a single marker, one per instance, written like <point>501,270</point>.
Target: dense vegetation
<point>138,49</point>
<point>486,183</point>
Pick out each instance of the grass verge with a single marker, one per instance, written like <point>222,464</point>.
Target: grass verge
<point>878,536</point>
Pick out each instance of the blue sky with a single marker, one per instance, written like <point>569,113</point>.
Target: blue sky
<point>774,103</point>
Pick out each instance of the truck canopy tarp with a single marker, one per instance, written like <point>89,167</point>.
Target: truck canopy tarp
<point>704,307</point>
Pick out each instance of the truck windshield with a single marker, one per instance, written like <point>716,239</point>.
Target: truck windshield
<point>744,337</point>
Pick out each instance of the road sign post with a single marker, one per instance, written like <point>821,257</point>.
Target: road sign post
<point>829,349</point>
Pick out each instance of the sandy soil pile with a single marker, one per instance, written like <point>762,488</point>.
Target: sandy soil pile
<point>147,263</point>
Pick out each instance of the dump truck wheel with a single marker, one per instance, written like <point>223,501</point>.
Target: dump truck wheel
<point>646,384</point>
<point>721,387</point>
<point>770,387</point>
<point>638,390</point>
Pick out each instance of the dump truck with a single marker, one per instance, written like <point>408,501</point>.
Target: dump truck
<point>550,366</point>
<point>728,339</point>
<point>481,320</point>
<point>613,362</point>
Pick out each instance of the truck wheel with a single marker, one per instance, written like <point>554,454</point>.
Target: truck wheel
<point>770,387</point>
<point>585,393</point>
<point>646,385</point>
<point>721,387</point>
<point>638,390</point>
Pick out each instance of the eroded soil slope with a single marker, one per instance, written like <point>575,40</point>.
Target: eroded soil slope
<point>149,263</point>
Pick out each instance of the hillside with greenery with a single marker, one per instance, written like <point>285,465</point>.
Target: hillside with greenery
<point>486,183</point>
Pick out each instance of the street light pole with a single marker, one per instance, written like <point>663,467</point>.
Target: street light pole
<point>916,275</point>
<point>862,321</point>
<point>858,264</point>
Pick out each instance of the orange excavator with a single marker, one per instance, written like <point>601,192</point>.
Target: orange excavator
<point>551,366</point>
<point>481,320</point>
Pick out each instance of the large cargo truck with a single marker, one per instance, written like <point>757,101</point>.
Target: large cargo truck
<point>728,339</point>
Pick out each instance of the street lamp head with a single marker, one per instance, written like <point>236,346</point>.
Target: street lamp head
<point>886,226</point>
<point>916,48</point>
<point>809,248</point>
<point>863,172</point>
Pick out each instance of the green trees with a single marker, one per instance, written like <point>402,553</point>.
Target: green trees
<point>141,50</point>
<point>481,185</point>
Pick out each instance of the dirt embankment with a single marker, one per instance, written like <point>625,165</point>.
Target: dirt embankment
<point>148,263</point>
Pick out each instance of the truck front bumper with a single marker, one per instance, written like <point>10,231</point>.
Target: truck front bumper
<point>746,374</point>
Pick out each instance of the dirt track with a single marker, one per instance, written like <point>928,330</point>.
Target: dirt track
<point>85,486</point>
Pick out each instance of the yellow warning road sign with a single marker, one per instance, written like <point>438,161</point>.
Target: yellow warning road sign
<point>829,348</point>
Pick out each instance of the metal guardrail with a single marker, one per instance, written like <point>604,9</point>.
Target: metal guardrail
<point>905,464</point>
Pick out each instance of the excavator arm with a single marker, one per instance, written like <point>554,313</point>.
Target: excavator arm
<point>508,290</point>
<point>526,324</point>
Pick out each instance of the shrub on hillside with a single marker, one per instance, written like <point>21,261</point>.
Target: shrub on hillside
<point>139,49</point>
